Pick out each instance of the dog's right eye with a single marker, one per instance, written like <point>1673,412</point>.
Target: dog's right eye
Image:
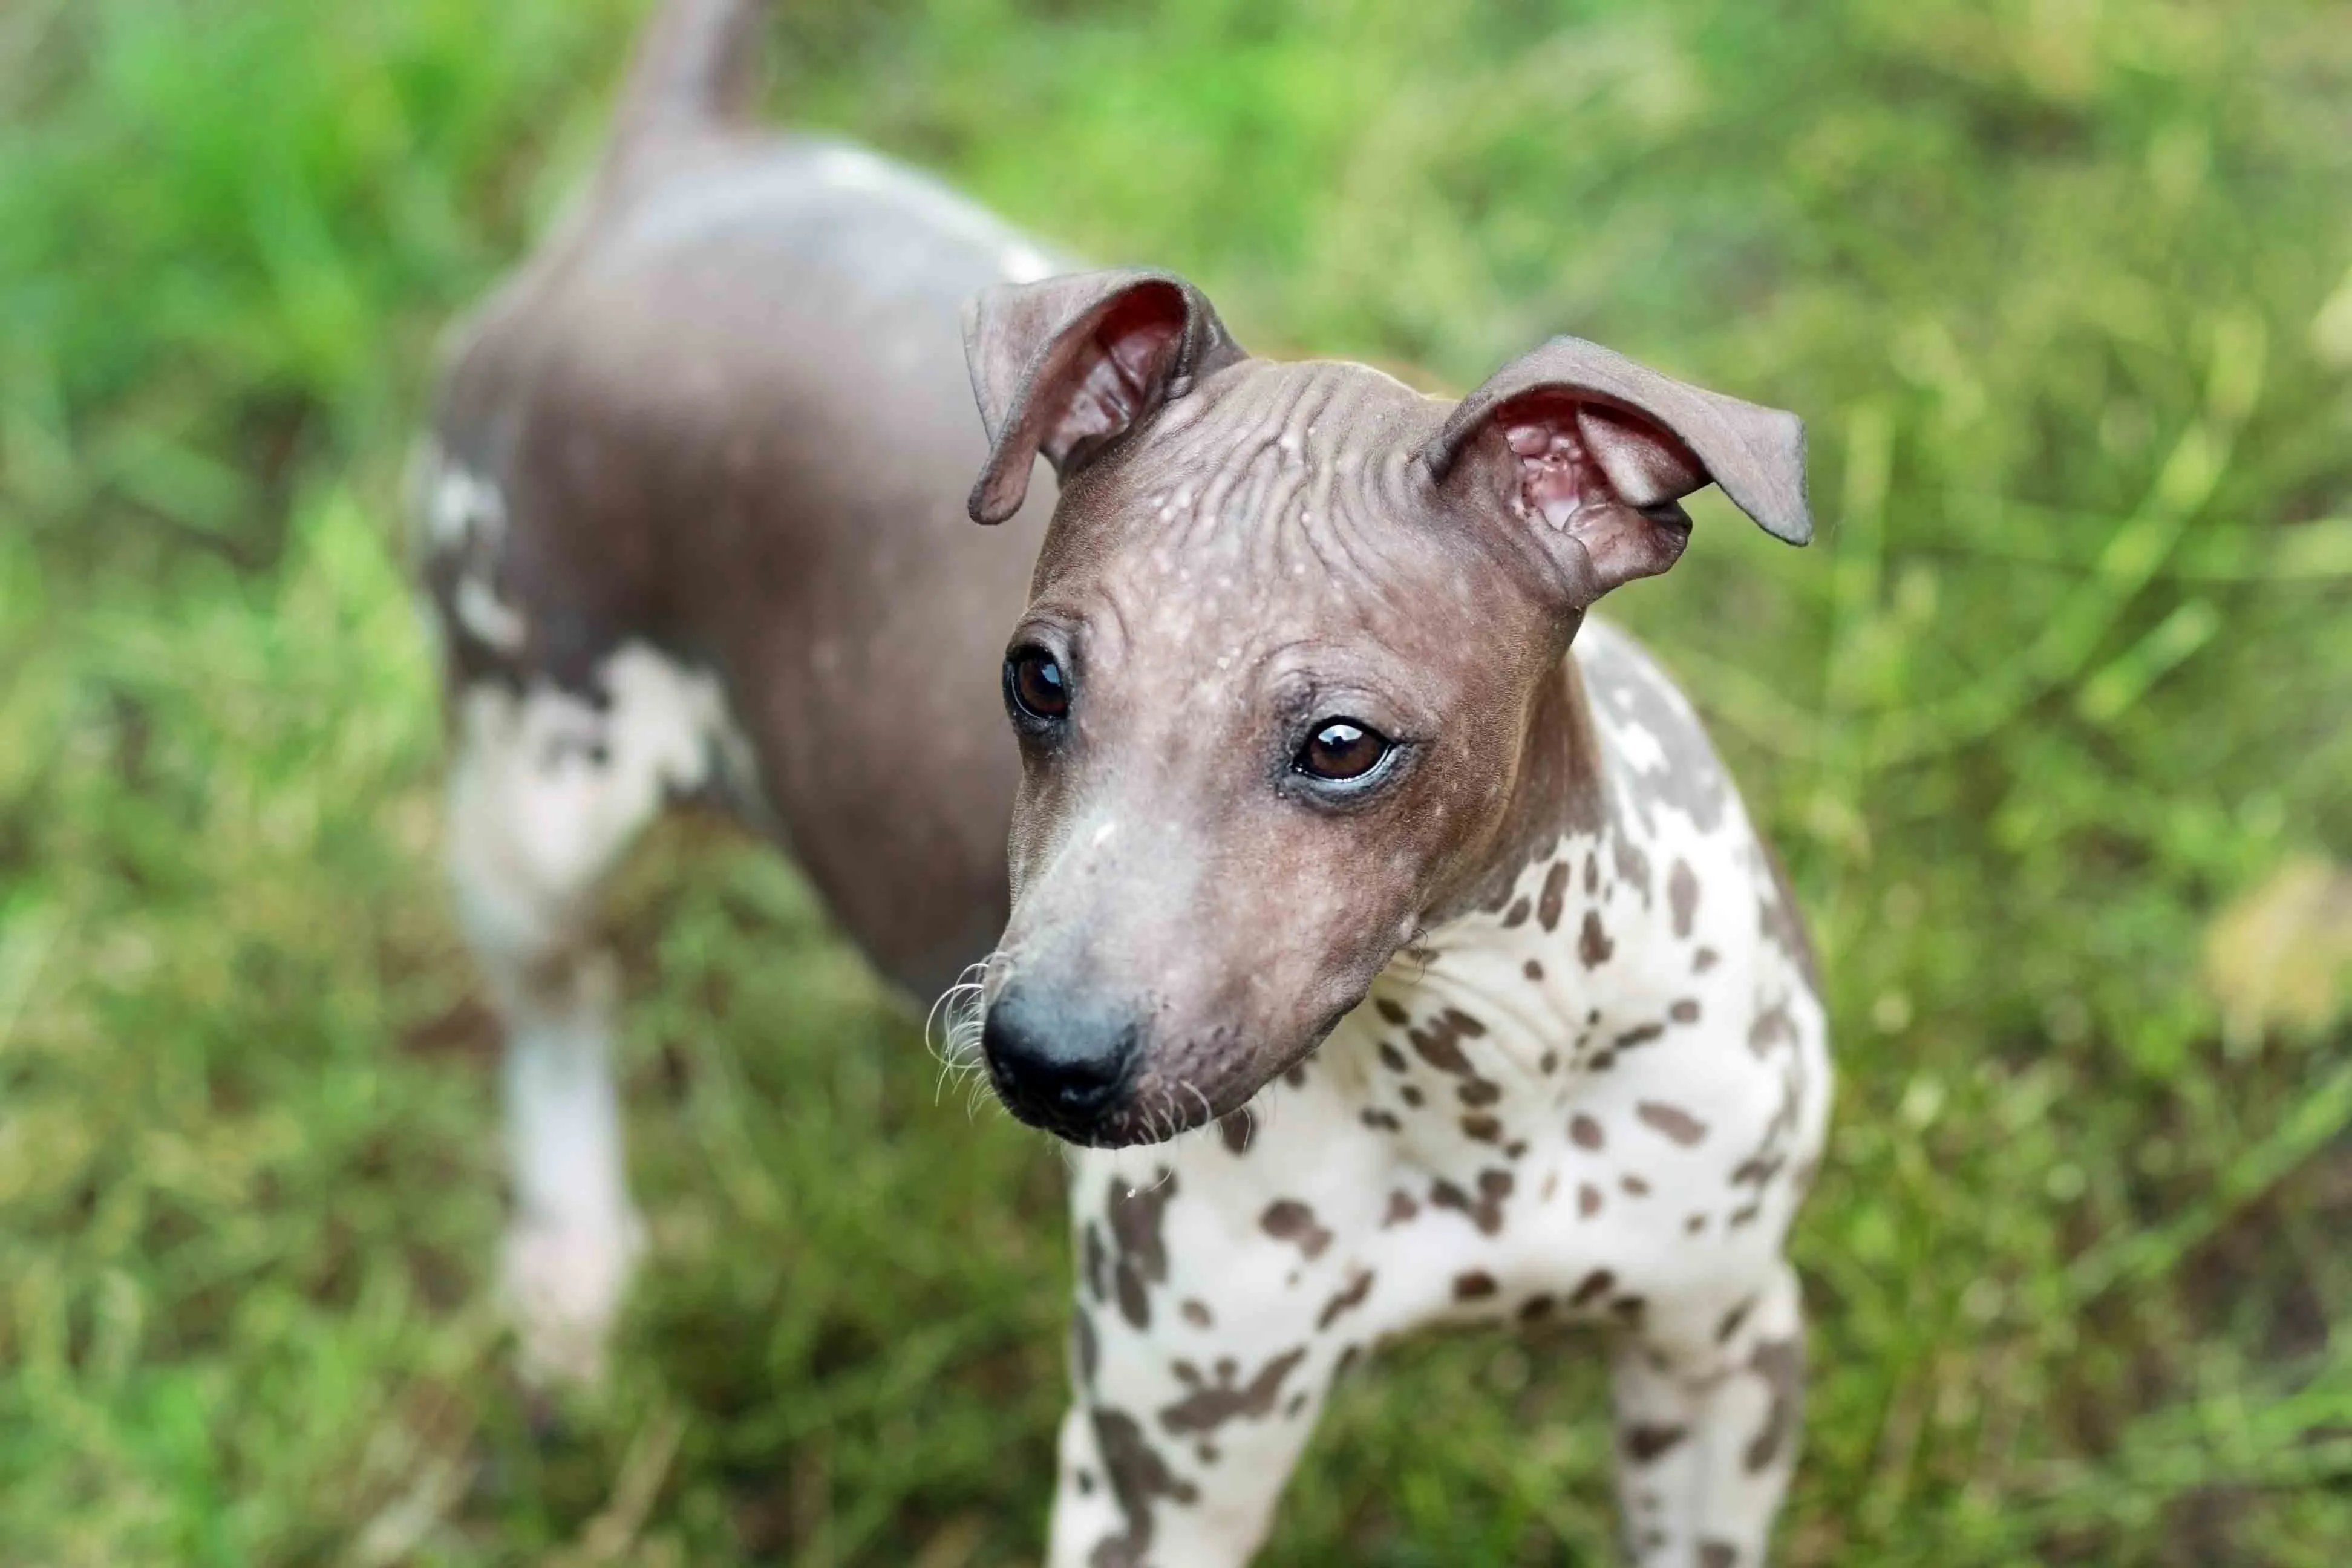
<point>1034,685</point>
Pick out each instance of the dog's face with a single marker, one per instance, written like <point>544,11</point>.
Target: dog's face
<point>1273,687</point>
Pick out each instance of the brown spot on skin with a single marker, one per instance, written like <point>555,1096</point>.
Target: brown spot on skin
<point>1211,1405</point>
<point>1588,1200</point>
<point>1535,1309</point>
<point>1585,1133</point>
<point>1401,1208</point>
<point>1639,1035</point>
<point>1693,1225</point>
<point>1532,970</point>
<point>1084,1348</point>
<point>1592,944</point>
<point>1295,1076</point>
<point>1516,1147</point>
<point>1086,1480</point>
<point>1677,1124</point>
<point>1732,1320</point>
<point>1602,1062</point>
<point>1644,1443</point>
<point>1771,1026</point>
<point>1381,1121</point>
<point>1297,1406</point>
<point>1410,1094</point>
<point>1555,892</point>
<point>1486,1211</point>
<point>1517,913</point>
<point>1633,865</point>
<point>1744,1216</point>
<point>1206,1453</point>
<point>1684,1011</point>
<point>1717,1554</point>
<point>1347,1359</point>
<point>1634,1187</point>
<point>1238,1128</point>
<point>1138,1478</point>
<point>1777,921</point>
<point>1757,1170</point>
<point>1137,1217</point>
<point>1287,1220</point>
<point>1393,1013</point>
<point>1463,1023</point>
<point>1482,1129</point>
<point>1475,1285</point>
<point>1480,1091</point>
<point>1550,1062</point>
<point>1435,1045</point>
<point>1091,1250</point>
<point>1682,896</point>
<point>1592,871</point>
<point>1346,1300</point>
<point>1782,1365</point>
<point>1393,1058</point>
<point>1197,1313</point>
<point>1629,1307</point>
<point>1704,959</point>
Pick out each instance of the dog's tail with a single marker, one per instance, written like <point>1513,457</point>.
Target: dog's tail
<point>694,73</point>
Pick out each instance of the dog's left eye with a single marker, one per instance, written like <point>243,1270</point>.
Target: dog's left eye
<point>1341,749</point>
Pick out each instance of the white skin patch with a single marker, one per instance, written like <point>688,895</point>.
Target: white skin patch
<point>546,792</point>
<point>1593,1103</point>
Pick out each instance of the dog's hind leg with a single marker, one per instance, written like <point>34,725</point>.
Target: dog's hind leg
<point>549,789</point>
<point>1706,1418</point>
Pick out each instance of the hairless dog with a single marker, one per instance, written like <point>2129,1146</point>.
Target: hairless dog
<point>1381,930</point>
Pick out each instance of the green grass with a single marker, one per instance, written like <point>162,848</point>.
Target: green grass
<point>2063,289</point>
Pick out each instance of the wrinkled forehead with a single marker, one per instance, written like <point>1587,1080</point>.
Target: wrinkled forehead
<point>1276,501</point>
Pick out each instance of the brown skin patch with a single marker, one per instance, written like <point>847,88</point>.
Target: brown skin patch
<point>1639,1035</point>
<point>1732,1320</point>
<point>1681,897</point>
<point>1197,1313</point>
<point>1592,944</point>
<point>1555,893</point>
<point>1595,1285</point>
<point>1137,1218</point>
<point>1704,959</point>
<point>1209,1404</point>
<point>1238,1128</point>
<point>1782,1365</point>
<point>1536,1307</point>
<point>1400,1209</point>
<point>1717,1554</point>
<point>1479,1091</point>
<point>1677,1124</point>
<point>1084,1348</point>
<point>1475,1285</point>
<point>1095,1263</point>
<point>1588,1200</point>
<point>1516,915</point>
<point>1482,1129</point>
<point>1646,1443</point>
<point>1684,1010</point>
<point>1346,1301</point>
<point>1292,1221</point>
<point>1486,1211</point>
<point>1533,969</point>
<point>1392,1011</point>
<point>1381,1121</point>
<point>1585,1133</point>
<point>1393,1058</point>
<point>1139,1479</point>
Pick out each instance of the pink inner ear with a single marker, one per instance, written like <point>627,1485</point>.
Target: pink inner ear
<point>1574,455</point>
<point>1116,372</point>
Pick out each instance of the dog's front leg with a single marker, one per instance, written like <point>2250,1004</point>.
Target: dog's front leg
<point>1708,1425</point>
<point>1204,1340</point>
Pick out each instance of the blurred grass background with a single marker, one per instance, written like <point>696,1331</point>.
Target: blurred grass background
<point>2054,725</point>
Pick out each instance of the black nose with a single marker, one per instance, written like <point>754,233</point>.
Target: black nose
<point>1059,1064</point>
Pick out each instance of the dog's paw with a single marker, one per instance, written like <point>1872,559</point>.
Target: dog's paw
<point>562,1283</point>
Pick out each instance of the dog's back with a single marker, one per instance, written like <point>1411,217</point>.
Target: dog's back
<point>721,427</point>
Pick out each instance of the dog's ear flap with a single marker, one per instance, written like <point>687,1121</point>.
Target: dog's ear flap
<point>1592,452</point>
<point>1064,366</point>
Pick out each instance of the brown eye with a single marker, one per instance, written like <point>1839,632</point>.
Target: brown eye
<point>1341,749</point>
<point>1033,684</point>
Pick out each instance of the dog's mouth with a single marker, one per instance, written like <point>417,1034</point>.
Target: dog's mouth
<point>1154,1107</point>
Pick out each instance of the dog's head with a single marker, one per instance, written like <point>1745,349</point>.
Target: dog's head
<point>1274,684</point>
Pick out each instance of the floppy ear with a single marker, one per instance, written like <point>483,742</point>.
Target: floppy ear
<point>1593,452</point>
<point>1065,365</point>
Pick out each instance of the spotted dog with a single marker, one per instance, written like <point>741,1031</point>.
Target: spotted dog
<point>1379,927</point>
